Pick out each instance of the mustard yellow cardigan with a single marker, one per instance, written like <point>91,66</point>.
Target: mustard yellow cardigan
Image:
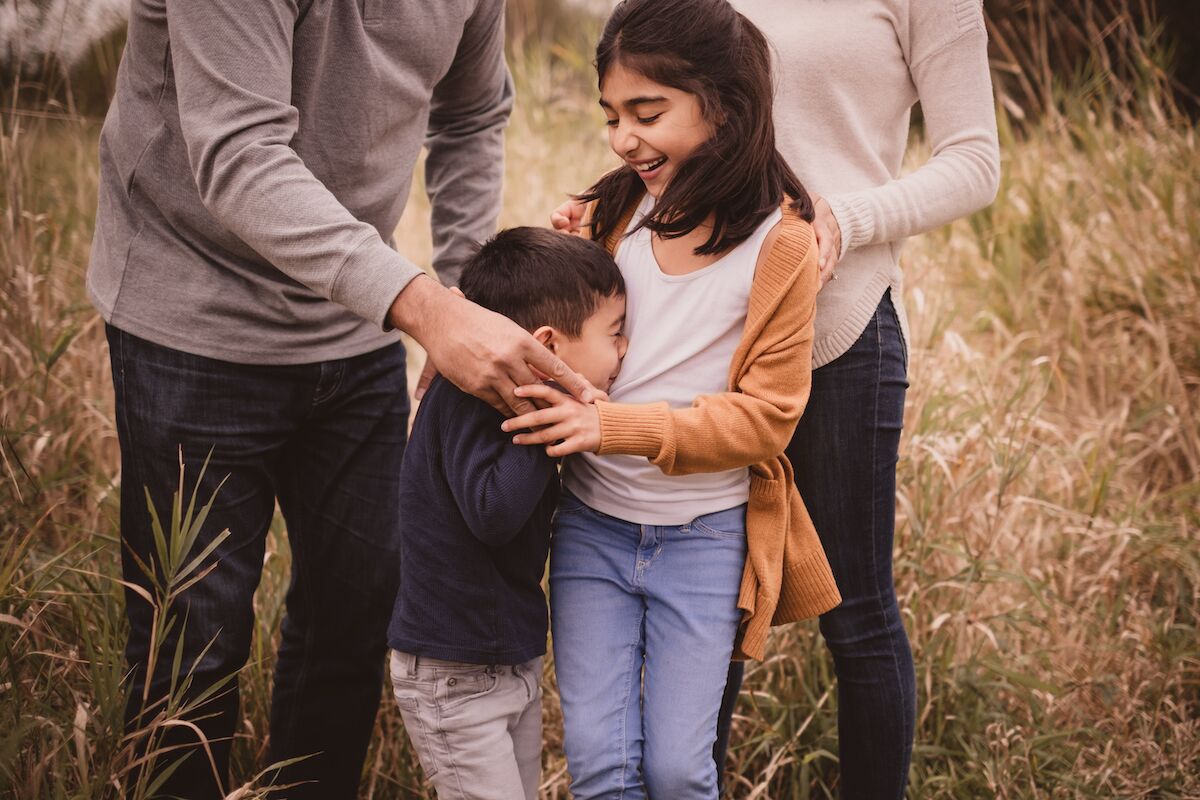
<point>787,576</point>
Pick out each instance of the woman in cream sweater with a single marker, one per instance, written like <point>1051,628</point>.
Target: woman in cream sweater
<point>850,73</point>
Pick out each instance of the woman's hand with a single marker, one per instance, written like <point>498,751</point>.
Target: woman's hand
<point>565,426</point>
<point>829,238</point>
<point>568,217</point>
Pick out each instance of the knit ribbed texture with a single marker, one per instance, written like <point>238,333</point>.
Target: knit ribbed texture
<point>786,576</point>
<point>633,429</point>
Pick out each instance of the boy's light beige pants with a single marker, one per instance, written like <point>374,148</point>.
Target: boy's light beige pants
<point>476,729</point>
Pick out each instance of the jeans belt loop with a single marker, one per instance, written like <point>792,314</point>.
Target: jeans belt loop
<point>412,666</point>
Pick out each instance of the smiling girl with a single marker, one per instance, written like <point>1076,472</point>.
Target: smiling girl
<point>681,538</point>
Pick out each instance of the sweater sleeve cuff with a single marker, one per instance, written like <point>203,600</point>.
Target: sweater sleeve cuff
<point>370,278</point>
<point>632,429</point>
<point>854,218</point>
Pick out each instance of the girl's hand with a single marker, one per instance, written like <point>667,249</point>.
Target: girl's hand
<point>568,217</point>
<point>829,238</point>
<point>565,426</point>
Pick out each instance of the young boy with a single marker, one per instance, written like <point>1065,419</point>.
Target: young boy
<point>469,627</point>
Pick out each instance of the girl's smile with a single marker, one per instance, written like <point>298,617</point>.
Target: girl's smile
<point>652,127</point>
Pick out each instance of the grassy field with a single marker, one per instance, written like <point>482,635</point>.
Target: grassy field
<point>1049,503</point>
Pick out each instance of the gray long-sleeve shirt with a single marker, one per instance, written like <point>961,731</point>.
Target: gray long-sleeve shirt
<point>258,155</point>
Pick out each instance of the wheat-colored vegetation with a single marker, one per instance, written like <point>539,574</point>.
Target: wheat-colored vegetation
<point>1049,498</point>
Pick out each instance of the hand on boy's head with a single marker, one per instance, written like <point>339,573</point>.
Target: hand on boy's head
<point>566,426</point>
<point>482,352</point>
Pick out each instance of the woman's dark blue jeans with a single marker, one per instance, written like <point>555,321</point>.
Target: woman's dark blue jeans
<point>844,453</point>
<point>325,441</point>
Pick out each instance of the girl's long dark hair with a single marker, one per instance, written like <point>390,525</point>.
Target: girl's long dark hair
<point>708,49</point>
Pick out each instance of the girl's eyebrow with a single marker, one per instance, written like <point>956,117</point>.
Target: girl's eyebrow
<point>636,101</point>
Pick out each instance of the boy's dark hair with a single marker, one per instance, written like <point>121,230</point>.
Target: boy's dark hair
<point>536,276</point>
<point>708,49</point>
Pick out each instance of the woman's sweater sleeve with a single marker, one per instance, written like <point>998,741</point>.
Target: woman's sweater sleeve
<point>949,67</point>
<point>731,429</point>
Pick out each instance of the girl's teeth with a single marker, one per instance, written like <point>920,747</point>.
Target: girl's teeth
<point>650,166</point>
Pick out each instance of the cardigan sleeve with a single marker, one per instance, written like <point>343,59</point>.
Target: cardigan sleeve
<point>949,67</point>
<point>737,428</point>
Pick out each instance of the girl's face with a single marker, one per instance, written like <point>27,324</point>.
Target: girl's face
<point>651,126</point>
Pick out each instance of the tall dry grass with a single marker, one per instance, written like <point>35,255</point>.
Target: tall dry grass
<point>1049,502</point>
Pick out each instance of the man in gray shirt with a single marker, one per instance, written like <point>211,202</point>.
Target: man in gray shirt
<point>254,163</point>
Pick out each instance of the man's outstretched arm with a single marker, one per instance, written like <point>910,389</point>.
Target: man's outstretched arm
<point>233,74</point>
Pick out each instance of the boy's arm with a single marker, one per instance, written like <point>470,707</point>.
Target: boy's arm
<point>497,485</point>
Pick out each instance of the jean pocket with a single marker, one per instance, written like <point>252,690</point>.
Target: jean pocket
<point>418,732</point>
<point>456,688</point>
<point>727,524</point>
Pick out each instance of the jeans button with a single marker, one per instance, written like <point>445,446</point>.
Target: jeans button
<point>452,682</point>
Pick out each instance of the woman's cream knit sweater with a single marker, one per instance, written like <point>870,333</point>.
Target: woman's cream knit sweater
<point>848,74</point>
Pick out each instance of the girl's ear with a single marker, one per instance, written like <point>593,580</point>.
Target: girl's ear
<point>548,337</point>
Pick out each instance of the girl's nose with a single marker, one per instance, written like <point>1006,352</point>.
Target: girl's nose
<point>624,142</point>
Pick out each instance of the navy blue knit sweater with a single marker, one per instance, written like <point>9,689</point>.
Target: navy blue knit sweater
<point>475,529</point>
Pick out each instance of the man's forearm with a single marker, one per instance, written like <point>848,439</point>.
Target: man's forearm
<point>416,306</point>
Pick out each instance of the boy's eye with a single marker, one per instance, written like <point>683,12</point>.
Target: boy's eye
<point>612,123</point>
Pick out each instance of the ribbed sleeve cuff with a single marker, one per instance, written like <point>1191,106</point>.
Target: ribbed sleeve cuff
<point>809,590</point>
<point>370,278</point>
<point>854,218</point>
<point>633,429</point>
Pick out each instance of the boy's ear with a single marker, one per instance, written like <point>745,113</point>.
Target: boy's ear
<point>548,337</point>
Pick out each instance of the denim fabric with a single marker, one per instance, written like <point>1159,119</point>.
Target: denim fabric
<point>476,729</point>
<point>844,453</point>
<point>624,597</point>
<point>325,440</point>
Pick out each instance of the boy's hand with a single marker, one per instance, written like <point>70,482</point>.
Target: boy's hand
<point>565,426</point>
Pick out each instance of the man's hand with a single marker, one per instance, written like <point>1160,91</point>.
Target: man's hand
<point>829,238</point>
<point>479,351</point>
<point>566,426</point>
<point>430,370</point>
<point>568,217</point>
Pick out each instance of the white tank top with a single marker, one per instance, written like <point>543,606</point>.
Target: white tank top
<point>683,330</point>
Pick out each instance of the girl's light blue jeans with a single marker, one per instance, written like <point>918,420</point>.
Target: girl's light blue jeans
<point>643,621</point>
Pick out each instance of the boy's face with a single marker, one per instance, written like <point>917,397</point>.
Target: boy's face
<point>597,352</point>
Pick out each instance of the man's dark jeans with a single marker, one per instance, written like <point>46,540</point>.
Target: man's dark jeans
<point>323,440</point>
<point>844,453</point>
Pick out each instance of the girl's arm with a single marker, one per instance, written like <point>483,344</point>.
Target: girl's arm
<point>717,432</point>
<point>949,67</point>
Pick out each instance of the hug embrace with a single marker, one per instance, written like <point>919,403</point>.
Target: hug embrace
<point>687,400</point>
